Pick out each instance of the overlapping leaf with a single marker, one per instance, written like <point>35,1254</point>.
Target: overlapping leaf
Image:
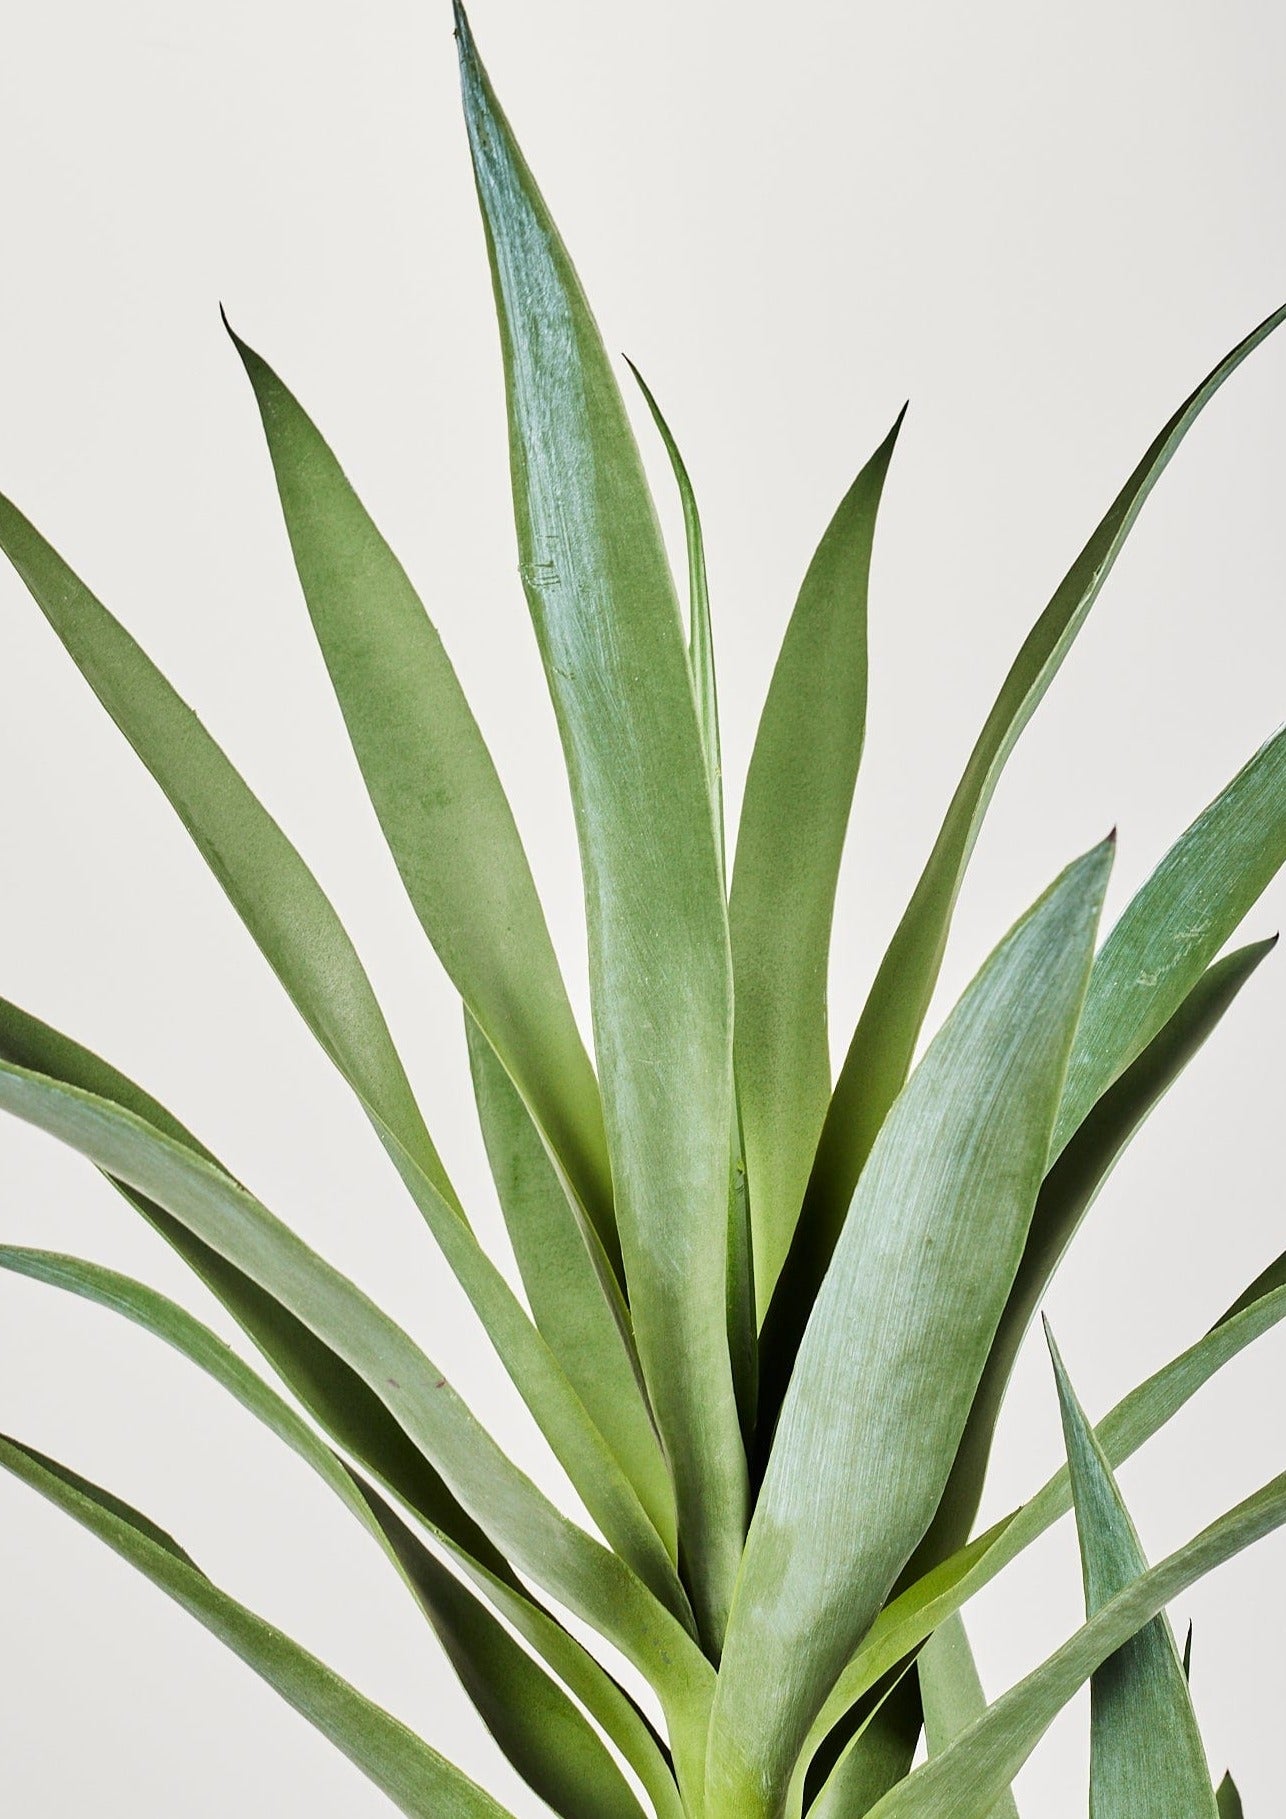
<point>898,1339</point>
<point>952,1695</point>
<point>607,621</point>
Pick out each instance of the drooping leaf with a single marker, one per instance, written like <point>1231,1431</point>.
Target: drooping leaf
<point>342,1403</point>
<point>607,621</point>
<point>964,1781</point>
<point>1146,1756</point>
<point>794,817</point>
<point>573,1298</point>
<point>952,1694</point>
<point>886,1035</point>
<point>557,1409</point>
<point>1067,1193</point>
<point>1174,927</point>
<point>898,1339</point>
<point>280,902</point>
<point>592,1582</point>
<point>435,790</point>
<point>912,1616</point>
<point>540,1730</point>
<point>418,1781</point>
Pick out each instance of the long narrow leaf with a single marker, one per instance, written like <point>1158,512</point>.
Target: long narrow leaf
<point>280,902</point>
<point>953,1696</point>
<point>435,790</point>
<point>1146,1756</point>
<point>965,1780</point>
<point>887,1031</point>
<point>898,1339</point>
<point>1067,1193</point>
<point>573,1298</point>
<point>540,1730</point>
<point>1174,927</point>
<point>602,600</point>
<point>794,817</point>
<point>416,1779</point>
<point>558,1555</point>
<point>342,1402</point>
<point>914,1614</point>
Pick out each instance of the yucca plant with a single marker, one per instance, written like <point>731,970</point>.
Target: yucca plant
<point>767,1322</point>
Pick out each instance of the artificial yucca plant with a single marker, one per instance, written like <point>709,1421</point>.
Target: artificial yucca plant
<point>768,1321</point>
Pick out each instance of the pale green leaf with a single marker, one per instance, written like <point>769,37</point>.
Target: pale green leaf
<point>898,1339</point>
<point>965,1780</point>
<point>435,790</point>
<point>418,1781</point>
<point>1147,1760</point>
<point>607,620</point>
<point>1067,1193</point>
<point>871,1754</point>
<point>952,1695</point>
<point>1174,927</point>
<point>558,1555</point>
<point>888,1029</point>
<point>278,899</point>
<point>540,1730</point>
<point>794,817</point>
<point>917,1610</point>
<point>573,1297</point>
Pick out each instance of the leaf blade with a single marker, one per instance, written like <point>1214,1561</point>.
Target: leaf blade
<point>899,1337</point>
<point>794,817</point>
<point>953,1695</point>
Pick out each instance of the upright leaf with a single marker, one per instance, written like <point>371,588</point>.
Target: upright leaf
<point>418,1781</point>
<point>607,621</point>
<point>1146,1754</point>
<point>794,817</point>
<point>278,899</point>
<point>435,790</point>
<point>573,1298</point>
<point>898,1339</point>
<point>953,1695</point>
<point>1229,1799</point>
<point>886,1035</point>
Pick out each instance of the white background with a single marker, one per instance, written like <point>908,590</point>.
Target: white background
<point>1042,223</point>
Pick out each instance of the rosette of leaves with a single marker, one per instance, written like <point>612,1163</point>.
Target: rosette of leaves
<point>767,1319</point>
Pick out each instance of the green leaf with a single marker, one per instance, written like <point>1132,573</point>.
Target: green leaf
<point>1229,1799</point>
<point>607,621</point>
<point>568,1280</point>
<point>272,890</point>
<point>876,1756</point>
<point>917,1610</point>
<point>965,1780</point>
<point>416,1779</point>
<point>700,635</point>
<point>343,1404</point>
<point>898,1339</point>
<point>886,1035</point>
<point>1067,1193</point>
<point>1146,1756</point>
<point>1174,927</point>
<point>540,1730</point>
<point>559,1556</point>
<point>953,1696</point>
<point>561,1415</point>
<point>435,790</point>
<point>794,817</point>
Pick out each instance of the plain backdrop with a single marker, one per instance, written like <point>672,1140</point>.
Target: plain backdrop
<point>1042,224</point>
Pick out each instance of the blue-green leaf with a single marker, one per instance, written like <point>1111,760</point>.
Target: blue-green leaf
<point>418,1781</point>
<point>952,1695</point>
<point>898,1339</point>
<point>607,621</point>
<point>1146,1756</point>
<point>794,817</point>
